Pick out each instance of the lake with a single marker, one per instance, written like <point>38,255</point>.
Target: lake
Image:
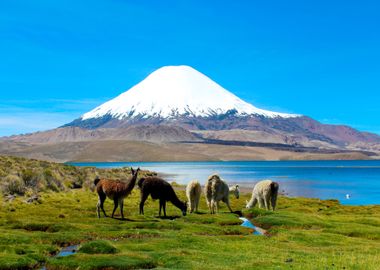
<point>313,179</point>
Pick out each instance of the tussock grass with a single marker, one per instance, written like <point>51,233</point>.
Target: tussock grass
<point>21,176</point>
<point>98,247</point>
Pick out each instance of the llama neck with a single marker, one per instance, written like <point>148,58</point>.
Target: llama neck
<point>252,202</point>
<point>176,202</point>
<point>131,183</point>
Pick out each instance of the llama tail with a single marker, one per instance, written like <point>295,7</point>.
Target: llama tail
<point>140,182</point>
<point>96,181</point>
<point>274,188</point>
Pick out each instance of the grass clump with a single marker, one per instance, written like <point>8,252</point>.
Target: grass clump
<point>98,247</point>
<point>13,184</point>
<point>17,262</point>
<point>89,262</point>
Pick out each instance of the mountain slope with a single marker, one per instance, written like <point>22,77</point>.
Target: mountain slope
<point>150,133</point>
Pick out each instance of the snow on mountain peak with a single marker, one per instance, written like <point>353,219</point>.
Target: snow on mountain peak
<point>176,90</point>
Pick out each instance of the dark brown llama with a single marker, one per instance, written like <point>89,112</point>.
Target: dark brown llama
<point>116,190</point>
<point>159,189</point>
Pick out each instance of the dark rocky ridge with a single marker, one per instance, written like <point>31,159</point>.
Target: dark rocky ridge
<point>297,127</point>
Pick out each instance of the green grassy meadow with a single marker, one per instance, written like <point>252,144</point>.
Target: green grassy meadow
<point>303,234</point>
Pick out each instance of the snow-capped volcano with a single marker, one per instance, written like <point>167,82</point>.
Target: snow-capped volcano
<point>177,106</point>
<point>174,91</point>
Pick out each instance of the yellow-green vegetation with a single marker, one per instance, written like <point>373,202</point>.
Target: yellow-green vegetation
<point>20,176</point>
<point>304,234</point>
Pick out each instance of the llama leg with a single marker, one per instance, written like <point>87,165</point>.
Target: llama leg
<point>115,203</point>
<point>121,202</point>
<point>216,207</point>
<point>227,201</point>
<point>209,205</point>
<point>266,202</point>
<point>261,202</point>
<point>161,205</point>
<point>144,196</point>
<point>254,202</point>
<point>191,205</point>
<point>98,208</point>
<point>213,205</point>
<point>164,206</point>
<point>100,205</point>
<point>274,201</point>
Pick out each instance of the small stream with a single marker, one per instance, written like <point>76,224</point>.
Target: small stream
<point>71,250</point>
<point>248,224</point>
<point>66,251</point>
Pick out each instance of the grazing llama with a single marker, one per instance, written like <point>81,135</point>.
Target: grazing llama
<point>159,189</point>
<point>265,193</point>
<point>116,190</point>
<point>193,194</point>
<point>217,190</point>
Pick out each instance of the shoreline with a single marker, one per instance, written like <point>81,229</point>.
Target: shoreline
<point>308,179</point>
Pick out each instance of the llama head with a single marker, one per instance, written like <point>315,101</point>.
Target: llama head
<point>251,203</point>
<point>184,208</point>
<point>247,204</point>
<point>135,172</point>
<point>235,190</point>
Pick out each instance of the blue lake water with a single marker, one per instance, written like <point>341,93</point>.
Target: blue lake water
<point>314,179</point>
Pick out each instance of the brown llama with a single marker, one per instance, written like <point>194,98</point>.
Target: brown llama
<point>159,189</point>
<point>116,190</point>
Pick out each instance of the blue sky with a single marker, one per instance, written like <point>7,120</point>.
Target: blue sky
<point>59,59</point>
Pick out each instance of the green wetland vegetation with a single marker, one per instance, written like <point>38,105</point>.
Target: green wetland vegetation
<point>302,233</point>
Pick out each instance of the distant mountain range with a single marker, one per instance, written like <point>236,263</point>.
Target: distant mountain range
<point>177,104</point>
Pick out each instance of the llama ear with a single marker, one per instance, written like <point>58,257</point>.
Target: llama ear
<point>132,171</point>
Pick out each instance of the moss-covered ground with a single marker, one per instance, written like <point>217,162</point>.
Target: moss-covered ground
<point>304,234</point>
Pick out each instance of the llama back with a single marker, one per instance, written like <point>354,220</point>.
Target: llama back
<point>220,189</point>
<point>263,187</point>
<point>207,188</point>
<point>211,185</point>
<point>193,190</point>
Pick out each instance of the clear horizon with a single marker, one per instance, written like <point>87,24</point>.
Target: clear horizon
<point>62,60</point>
